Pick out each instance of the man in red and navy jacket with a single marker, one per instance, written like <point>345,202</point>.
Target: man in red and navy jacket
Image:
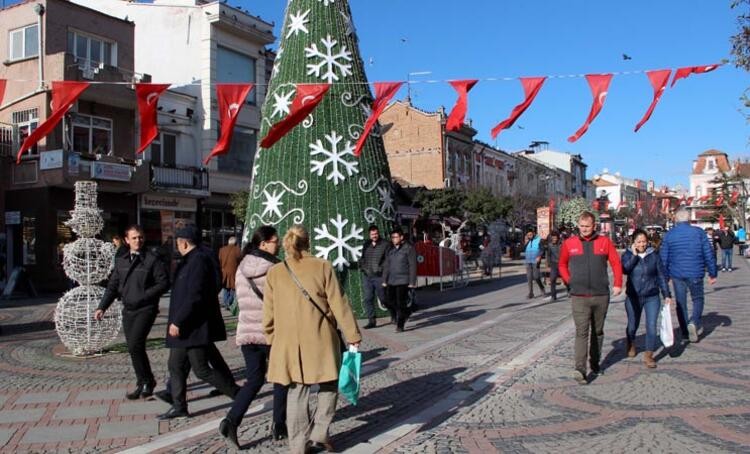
<point>583,267</point>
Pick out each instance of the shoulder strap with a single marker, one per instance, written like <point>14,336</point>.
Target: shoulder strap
<point>309,298</point>
<point>255,288</point>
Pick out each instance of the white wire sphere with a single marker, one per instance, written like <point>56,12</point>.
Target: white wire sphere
<point>86,222</point>
<point>88,260</point>
<point>75,324</point>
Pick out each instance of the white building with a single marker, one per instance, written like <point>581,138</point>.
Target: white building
<point>709,165</point>
<point>194,44</point>
<point>571,163</point>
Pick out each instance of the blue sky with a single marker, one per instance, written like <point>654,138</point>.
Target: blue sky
<point>501,38</point>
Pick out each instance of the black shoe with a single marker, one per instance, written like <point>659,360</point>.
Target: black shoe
<point>279,431</point>
<point>393,319</point>
<point>370,324</point>
<point>164,396</point>
<point>136,394</point>
<point>529,296</point>
<point>228,430</point>
<point>148,390</point>
<point>173,413</point>
<point>399,328</point>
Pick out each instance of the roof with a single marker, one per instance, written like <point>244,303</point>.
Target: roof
<point>712,152</point>
<point>743,169</point>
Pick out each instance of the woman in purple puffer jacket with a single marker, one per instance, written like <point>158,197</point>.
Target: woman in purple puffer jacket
<point>258,256</point>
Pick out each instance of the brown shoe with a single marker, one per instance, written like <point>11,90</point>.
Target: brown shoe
<point>648,360</point>
<point>630,348</point>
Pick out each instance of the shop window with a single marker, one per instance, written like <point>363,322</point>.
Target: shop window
<point>91,135</point>
<point>23,43</point>
<point>241,154</point>
<point>26,121</point>
<point>164,150</point>
<point>29,241</point>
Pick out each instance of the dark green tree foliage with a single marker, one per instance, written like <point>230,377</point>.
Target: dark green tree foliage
<point>442,203</point>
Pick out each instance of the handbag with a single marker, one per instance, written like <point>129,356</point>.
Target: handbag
<point>309,298</point>
<point>666,332</point>
<point>351,367</point>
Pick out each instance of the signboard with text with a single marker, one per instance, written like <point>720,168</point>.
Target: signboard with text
<point>161,202</point>
<point>543,222</point>
<point>110,171</point>
<point>49,160</point>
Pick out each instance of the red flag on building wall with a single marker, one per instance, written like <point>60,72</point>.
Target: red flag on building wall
<point>148,98</point>
<point>659,80</point>
<point>458,113</point>
<point>665,205</point>
<point>551,205</point>
<point>682,73</point>
<point>2,90</point>
<point>599,84</point>
<point>652,207</point>
<point>735,196</point>
<point>384,91</point>
<point>719,200</point>
<point>307,98</point>
<point>721,221</point>
<point>531,87</point>
<point>231,100</point>
<point>64,95</point>
<point>690,200</point>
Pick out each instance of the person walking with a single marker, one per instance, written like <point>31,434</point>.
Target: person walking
<point>399,276</point>
<point>686,256</point>
<point>553,262</point>
<point>194,323</point>
<point>139,280</point>
<point>371,265</point>
<point>229,259</point>
<point>487,255</point>
<point>583,267</point>
<point>726,243</point>
<point>258,257</point>
<point>642,265</point>
<point>533,258</point>
<point>303,306</point>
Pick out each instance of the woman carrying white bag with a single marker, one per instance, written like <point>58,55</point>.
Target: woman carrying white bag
<point>646,279</point>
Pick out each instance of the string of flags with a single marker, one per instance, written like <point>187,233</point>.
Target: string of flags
<point>309,96</point>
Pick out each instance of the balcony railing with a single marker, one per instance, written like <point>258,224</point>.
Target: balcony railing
<point>8,140</point>
<point>189,179</point>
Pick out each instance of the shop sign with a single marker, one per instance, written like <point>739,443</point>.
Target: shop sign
<point>49,160</point>
<point>160,203</point>
<point>109,171</point>
<point>74,160</point>
<point>12,218</point>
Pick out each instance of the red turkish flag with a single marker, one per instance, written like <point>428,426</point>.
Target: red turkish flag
<point>719,200</point>
<point>2,90</point>
<point>231,100</point>
<point>652,207</point>
<point>690,200</point>
<point>384,91</point>
<point>704,198</point>
<point>148,98</point>
<point>64,95</point>
<point>599,84</point>
<point>721,221</point>
<point>665,205</point>
<point>659,81</point>
<point>458,113</point>
<point>307,98</point>
<point>682,73</point>
<point>551,205</point>
<point>735,196</point>
<point>531,87</point>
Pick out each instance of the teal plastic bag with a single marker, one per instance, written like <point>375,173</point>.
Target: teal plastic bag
<point>351,365</point>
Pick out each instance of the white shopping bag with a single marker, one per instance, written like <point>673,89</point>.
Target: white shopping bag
<point>666,333</point>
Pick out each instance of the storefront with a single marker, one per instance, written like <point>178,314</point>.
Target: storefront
<point>162,215</point>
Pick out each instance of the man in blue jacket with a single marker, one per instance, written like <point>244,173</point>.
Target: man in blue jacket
<point>686,254</point>
<point>533,259</point>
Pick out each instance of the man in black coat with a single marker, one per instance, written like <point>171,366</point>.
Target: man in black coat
<point>371,264</point>
<point>399,276</point>
<point>139,280</point>
<point>194,323</point>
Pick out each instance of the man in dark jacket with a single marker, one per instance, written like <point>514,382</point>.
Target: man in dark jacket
<point>371,264</point>
<point>686,255</point>
<point>194,323</point>
<point>583,266</point>
<point>139,280</point>
<point>726,243</point>
<point>399,276</point>
<point>552,252</point>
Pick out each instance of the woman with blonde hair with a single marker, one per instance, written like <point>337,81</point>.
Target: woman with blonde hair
<point>303,307</point>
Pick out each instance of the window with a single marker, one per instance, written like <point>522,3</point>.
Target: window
<point>241,154</point>
<point>234,67</point>
<point>698,192</point>
<point>91,51</point>
<point>24,42</point>
<point>91,135</point>
<point>711,164</point>
<point>164,150</point>
<point>26,121</point>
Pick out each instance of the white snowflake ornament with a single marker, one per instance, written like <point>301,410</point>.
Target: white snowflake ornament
<point>335,157</point>
<point>298,23</point>
<point>282,103</point>
<point>326,2</point>
<point>272,202</point>
<point>330,62</point>
<point>340,242</point>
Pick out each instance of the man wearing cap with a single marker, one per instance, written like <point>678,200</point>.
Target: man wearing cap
<point>194,323</point>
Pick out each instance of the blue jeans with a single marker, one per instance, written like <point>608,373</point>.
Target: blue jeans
<point>681,287</point>
<point>726,258</point>
<point>228,297</point>
<point>372,286</point>
<point>256,364</point>
<point>634,306</point>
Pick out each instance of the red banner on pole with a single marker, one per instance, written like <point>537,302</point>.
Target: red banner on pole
<point>531,87</point>
<point>599,84</point>
<point>458,113</point>
<point>384,91</point>
<point>682,73</point>
<point>148,98</point>
<point>659,81</point>
<point>231,100</point>
<point>307,98</point>
<point>64,95</point>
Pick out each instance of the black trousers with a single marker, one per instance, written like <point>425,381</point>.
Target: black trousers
<point>136,325</point>
<point>398,297</point>
<point>196,358</point>
<point>256,365</point>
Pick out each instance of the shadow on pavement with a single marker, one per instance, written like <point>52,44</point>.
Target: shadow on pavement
<point>431,297</point>
<point>713,320</point>
<point>23,328</point>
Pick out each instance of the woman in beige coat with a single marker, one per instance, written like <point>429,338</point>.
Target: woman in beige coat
<point>305,348</point>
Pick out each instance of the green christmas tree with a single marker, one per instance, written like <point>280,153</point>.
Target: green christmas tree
<point>311,175</point>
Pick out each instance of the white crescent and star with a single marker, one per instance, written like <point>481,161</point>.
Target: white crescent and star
<point>233,109</point>
<point>151,98</point>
